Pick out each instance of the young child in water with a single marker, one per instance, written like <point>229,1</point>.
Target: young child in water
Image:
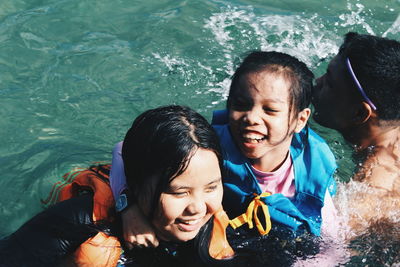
<point>359,96</point>
<point>269,152</point>
<point>173,164</point>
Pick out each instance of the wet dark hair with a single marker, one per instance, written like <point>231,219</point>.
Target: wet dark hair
<point>295,71</point>
<point>376,64</point>
<point>158,148</point>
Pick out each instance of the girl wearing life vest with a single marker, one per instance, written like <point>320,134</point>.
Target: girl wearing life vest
<point>172,163</point>
<point>270,151</point>
<point>271,156</point>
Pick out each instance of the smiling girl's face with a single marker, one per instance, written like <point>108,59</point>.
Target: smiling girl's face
<point>261,119</point>
<point>190,199</point>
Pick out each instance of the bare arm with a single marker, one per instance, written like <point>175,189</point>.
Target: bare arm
<point>137,231</point>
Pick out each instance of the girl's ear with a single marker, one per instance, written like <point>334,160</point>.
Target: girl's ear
<point>302,119</point>
<point>364,113</point>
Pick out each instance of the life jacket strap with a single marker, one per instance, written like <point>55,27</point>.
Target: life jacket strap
<point>251,213</point>
<point>219,247</point>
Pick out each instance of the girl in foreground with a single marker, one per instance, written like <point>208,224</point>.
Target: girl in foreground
<point>268,151</point>
<point>172,163</point>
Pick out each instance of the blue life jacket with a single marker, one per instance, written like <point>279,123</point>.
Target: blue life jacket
<point>314,166</point>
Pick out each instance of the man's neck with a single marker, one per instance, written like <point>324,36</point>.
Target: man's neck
<point>379,148</point>
<point>372,135</point>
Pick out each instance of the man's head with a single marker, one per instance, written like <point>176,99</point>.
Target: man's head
<point>363,78</point>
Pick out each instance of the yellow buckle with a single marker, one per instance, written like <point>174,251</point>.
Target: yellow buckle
<point>251,212</point>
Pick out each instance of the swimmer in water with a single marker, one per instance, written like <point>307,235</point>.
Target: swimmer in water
<point>359,96</point>
<point>172,163</point>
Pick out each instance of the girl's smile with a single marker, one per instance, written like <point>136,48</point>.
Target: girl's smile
<point>189,225</point>
<point>253,137</point>
<point>261,121</point>
<point>190,199</point>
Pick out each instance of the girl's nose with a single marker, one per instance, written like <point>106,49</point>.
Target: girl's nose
<point>252,117</point>
<point>196,206</point>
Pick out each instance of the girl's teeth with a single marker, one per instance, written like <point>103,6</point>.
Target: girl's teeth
<point>190,222</point>
<point>254,140</point>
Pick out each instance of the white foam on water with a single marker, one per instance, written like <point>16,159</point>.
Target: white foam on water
<point>50,133</point>
<point>307,37</point>
<point>395,28</point>
<point>193,72</point>
<point>170,62</point>
<point>184,67</point>
<point>298,36</point>
<point>354,18</point>
<point>360,192</point>
<point>240,29</point>
<point>42,115</point>
<point>219,22</point>
<point>221,87</point>
<point>350,197</point>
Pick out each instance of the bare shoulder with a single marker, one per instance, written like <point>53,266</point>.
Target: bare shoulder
<point>367,204</point>
<point>381,171</point>
<point>374,191</point>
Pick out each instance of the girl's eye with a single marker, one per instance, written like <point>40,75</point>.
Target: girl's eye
<point>211,188</point>
<point>179,194</point>
<point>268,109</point>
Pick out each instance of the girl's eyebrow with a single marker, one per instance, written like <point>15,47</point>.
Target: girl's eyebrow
<point>277,100</point>
<point>273,100</point>
<point>215,181</point>
<point>178,187</point>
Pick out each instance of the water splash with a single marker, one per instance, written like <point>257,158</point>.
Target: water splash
<point>219,22</point>
<point>355,18</point>
<point>176,65</point>
<point>395,28</point>
<point>311,38</point>
<point>238,29</point>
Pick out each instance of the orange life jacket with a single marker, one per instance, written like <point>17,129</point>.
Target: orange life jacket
<point>102,249</point>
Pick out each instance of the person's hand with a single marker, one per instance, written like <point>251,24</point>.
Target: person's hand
<point>137,231</point>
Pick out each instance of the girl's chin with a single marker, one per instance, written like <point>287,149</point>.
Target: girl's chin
<point>177,235</point>
<point>250,153</point>
<point>185,236</point>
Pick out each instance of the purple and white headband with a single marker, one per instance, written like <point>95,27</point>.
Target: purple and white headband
<point>364,95</point>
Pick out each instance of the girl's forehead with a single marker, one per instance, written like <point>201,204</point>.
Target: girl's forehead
<point>266,84</point>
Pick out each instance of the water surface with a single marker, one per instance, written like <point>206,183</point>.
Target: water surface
<point>74,74</point>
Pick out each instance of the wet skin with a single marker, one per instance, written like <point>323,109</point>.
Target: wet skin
<point>374,189</point>
<point>260,119</point>
<point>335,97</point>
<point>191,199</point>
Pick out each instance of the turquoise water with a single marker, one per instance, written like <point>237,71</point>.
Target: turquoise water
<point>75,73</point>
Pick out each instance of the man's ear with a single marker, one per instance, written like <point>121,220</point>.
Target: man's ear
<point>302,119</point>
<point>364,113</point>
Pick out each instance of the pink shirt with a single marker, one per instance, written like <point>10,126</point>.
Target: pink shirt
<point>282,181</point>
<point>278,181</point>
